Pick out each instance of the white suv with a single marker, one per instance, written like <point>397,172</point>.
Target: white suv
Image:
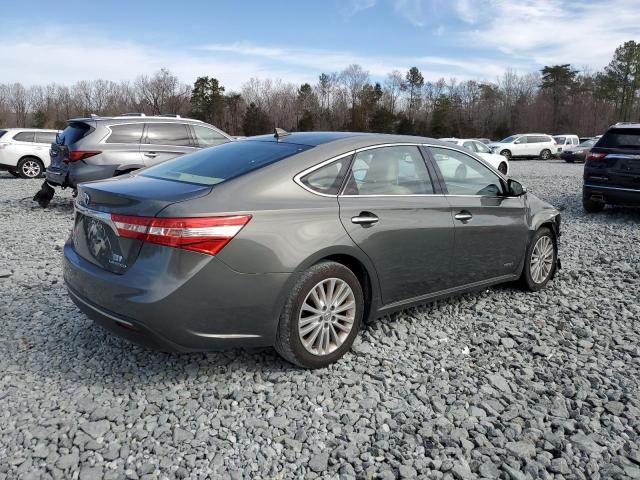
<point>24,152</point>
<point>566,140</point>
<point>536,145</point>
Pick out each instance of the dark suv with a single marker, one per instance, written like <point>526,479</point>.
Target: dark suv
<point>96,148</point>
<point>612,169</point>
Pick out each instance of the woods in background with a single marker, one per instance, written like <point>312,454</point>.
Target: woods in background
<point>558,99</point>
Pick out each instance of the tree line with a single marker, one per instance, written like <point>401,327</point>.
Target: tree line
<point>557,99</point>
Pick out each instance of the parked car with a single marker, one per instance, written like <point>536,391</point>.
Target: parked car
<point>565,141</point>
<point>499,162</point>
<point>612,169</point>
<point>577,153</point>
<point>526,145</point>
<point>293,240</point>
<point>96,148</point>
<point>24,152</point>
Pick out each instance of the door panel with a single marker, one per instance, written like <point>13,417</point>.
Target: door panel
<point>410,245</point>
<point>164,141</point>
<point>490,229</point>
<point>492,243</point>
<point>390,209</point>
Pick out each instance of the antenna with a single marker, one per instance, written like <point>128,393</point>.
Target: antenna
<point>280,133</point>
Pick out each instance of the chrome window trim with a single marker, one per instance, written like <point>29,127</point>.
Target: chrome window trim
<point>298,178</point>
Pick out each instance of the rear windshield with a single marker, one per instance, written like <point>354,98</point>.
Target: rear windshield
<point>623,138</point>
<point>215,165</point>
<point>74,132</point>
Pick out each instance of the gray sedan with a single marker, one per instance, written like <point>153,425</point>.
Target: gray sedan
<point>294,240</point>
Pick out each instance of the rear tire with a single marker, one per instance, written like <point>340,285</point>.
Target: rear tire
<point>506,154</point>
<point>541,261</point>
<point>306,320</point>
<point>545,154</point>
<point>502,168</point>
<point>592,206</point>
<point>30,167</point>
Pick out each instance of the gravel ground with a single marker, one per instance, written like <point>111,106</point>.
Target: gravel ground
<point>499,384</point>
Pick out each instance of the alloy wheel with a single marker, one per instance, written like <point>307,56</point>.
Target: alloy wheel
<point>542,259</point>
<point>31,169</point>
<point>327,316</point>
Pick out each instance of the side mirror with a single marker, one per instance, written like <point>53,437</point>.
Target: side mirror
<point>515,188</point>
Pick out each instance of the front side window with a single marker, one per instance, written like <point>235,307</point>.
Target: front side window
<point>24,137</point>
<point>521,140</point>
<point>168,134</point>
<point>397,170</point>
<point>481,147</point>
<point>130,133</point>
<point>464,175</point>
<point>469,146</point>
<point>207,137</point>
<point>327,179</point>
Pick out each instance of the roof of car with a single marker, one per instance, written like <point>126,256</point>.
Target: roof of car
<point>626,125</point>
<point>346,139</point>
<point>136,117</point>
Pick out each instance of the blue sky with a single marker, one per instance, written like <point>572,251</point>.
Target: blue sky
<point>296,41</point>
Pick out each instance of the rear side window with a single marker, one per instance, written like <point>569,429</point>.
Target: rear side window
<point>2,132</point>
<point>327,179</point>
<point>621,138</point>
<point>168,134</point>
<point>24,137</point>
<point>74,132</point>
<point>207,137</point>
<point>231,160</point>
<point>130,133</point>
<point>46,137</point>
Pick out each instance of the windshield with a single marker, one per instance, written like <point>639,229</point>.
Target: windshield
<point>622,138</point>
<point>216,164</point>
<point>587,143</point>
<point>510,139</point>
<point>560,140</point>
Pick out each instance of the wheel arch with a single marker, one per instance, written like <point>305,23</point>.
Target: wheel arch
<point>30,155</point>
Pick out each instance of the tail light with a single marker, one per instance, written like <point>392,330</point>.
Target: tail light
<point>204,234</point>
<point>76,155</point>
<point>595,157</point>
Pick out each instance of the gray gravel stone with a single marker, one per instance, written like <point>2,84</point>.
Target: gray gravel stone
<point>497,383</point>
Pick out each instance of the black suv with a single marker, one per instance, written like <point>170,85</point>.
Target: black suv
<point>612,169</point>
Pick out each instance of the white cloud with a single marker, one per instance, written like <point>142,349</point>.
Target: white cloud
<point>544,32</point>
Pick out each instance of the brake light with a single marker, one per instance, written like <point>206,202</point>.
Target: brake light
<point>76,155</point>
<point>595,157</point>
<point>204,234</point>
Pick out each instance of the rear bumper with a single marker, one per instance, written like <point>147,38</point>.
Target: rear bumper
<point>178,300</point>
<point>73,176</point>
<point>611,194</point>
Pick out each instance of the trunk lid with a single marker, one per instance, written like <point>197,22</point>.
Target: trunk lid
<point>95,236</point>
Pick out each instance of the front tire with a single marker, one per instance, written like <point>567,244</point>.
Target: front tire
<point>30,167</point>
<point>541,260</point>
<point>545,154</point>
<point>321,317</point>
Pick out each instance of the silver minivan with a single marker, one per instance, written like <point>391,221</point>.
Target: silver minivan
<point>96,148</point>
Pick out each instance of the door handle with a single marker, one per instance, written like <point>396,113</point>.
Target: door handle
<point>365,218</point>
<point>151,154</point>
<point>463,216</point>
